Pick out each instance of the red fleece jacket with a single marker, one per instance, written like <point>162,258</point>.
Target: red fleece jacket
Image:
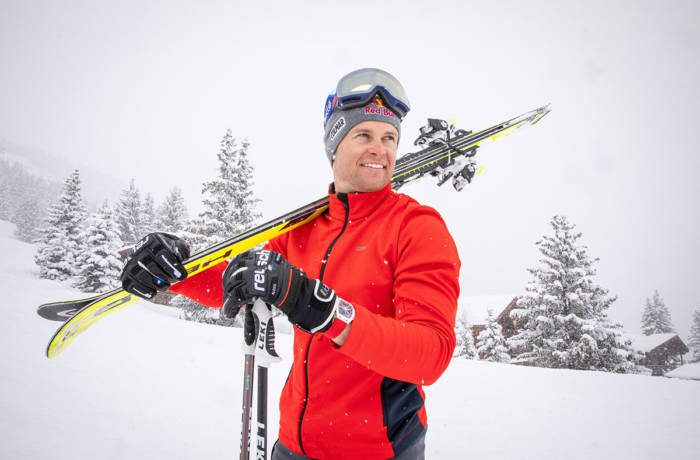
<point>395,261</point>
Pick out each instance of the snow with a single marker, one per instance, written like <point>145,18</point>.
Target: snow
<point>476,308</point>
<point>645,343</point>
<point>687,371</point>
<point>141,384</point>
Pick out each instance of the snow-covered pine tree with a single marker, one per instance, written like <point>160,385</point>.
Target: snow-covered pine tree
<point>228,199</point>
<point>694,339</point>
<point>193,233</point>
<point>193,311</point>
<point>172,214</point>
<point>246,201</point>
<point>12,187</point>
<point>24,199</point>
<point>229,209</point>
<point>99,264</point>
<point>29,218</point>
<point>61,237</point>
<point>562,320</point>
<point>656,318</point>
<point>490,344</point>
<point>148,217</point>
<point>5,190</point>
<point>465,339</point>
<point>129,211</point>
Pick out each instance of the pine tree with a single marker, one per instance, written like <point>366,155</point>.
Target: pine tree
<point>465,340</point>
<point>694,340</point>
<point>656,318</point>
<point>562,320</point>
<point>24,199</point>
<point>229,209</point>
<point>5,190</point>
<point>12,187</point>
<point>61,237</point>
<point>193,233</point>
<point>29,217</point>
<point>100,264</point>
<point>228,199</point>
<point>193,311</point>
<point>148,217</point>
<point>129,215</point>
<point>490,344</point>
<point>172,214</point>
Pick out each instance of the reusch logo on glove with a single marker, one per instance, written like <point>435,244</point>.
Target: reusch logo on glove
<point>259,273</point>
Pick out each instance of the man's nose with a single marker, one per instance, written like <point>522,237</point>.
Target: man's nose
<point>376,147</point>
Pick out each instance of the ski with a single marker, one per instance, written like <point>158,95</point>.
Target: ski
<point>64,310</point>
<point>449,154</point>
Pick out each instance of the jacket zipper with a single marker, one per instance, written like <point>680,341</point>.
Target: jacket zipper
<point>343,197</point>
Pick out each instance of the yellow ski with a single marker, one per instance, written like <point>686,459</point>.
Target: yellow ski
<point>444,146</point>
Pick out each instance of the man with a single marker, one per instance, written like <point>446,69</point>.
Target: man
<point>371,287</point>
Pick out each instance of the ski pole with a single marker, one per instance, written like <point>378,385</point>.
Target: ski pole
<point>265,354</point>
<point>248,348</point>
<point>261,446</point>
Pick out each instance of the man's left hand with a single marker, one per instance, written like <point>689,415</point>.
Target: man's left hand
<point>308,303</point>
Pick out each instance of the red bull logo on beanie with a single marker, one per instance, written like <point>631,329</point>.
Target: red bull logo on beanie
<point>378,109</point>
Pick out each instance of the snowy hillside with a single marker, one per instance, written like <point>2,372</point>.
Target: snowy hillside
<point>96,184</point>
<point>144,385</point>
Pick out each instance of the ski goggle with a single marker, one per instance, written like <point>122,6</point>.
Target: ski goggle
<point>360,87</point>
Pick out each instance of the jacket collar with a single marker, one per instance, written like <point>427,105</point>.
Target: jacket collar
<point>360,204</point>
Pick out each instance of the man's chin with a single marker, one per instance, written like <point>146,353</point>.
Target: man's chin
<point>372,186</point>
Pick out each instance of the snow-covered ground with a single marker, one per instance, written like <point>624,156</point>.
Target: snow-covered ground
<point>144,385</point>
<point>687,371</point>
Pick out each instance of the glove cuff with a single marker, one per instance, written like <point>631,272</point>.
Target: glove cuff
<point>323,295</point>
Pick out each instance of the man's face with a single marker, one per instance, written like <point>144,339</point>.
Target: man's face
<point>365,158</point>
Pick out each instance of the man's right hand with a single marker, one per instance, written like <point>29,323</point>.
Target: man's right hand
<point>155,264</point>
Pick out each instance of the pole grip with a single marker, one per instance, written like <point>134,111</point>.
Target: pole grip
<point>265,353</point>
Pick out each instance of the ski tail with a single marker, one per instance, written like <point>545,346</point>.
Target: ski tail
<point>65,309</point>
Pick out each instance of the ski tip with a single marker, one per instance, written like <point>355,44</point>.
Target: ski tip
<point>540,113</point>
<point>546,108</point>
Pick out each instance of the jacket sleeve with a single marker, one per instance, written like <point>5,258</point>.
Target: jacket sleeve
<point>417,344</point>
<point>206,287</point>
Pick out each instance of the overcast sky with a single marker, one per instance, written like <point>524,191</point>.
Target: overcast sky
<point>147,89</point>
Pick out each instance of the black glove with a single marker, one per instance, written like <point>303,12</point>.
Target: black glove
<point>155,264</point>
<point>267,275</point>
